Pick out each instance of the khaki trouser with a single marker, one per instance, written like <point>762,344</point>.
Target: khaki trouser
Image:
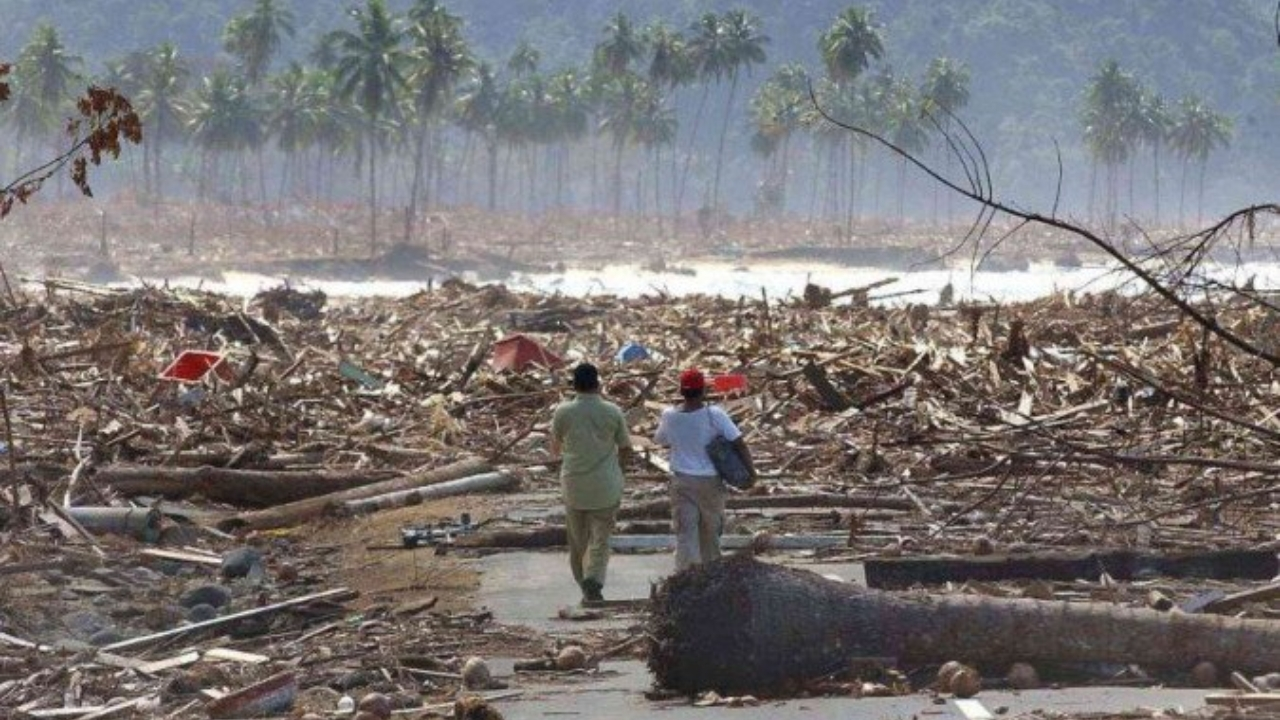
<point>697,510</point>
<point>589,532</point>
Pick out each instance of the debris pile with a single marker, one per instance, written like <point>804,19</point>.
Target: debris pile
<point>1098,435</point>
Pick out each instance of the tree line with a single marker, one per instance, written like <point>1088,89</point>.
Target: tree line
<point>642,127</point>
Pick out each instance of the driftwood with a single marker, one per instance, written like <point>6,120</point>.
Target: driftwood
<point>335,595</point>
<point>890,573</point>
<point>484,482</point>
<point>251,488</point>
<point>741,626</point>
<point>662,508</point>
<point>303,510</point>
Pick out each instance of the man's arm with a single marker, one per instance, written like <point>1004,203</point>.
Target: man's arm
<point>623,438</point>
<point>557,429</point>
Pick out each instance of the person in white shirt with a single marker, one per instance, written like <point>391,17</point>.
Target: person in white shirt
<point>697,492</point>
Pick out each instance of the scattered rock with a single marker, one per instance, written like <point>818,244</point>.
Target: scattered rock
<point>318,700</point>
<point>571,657</point>
<point>376,705</point>
<point>474,708</point>
<point>966,683</point>
<point>476,675</point>
<point>202,612</point>
<point>240,562</point>
<point>1205,675</point>
<point>1023,676</point>
<point>85,623</point>
<point>162,617</point>
<point>217,596</point>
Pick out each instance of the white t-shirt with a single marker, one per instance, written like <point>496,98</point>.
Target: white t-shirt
<point>687,434</point>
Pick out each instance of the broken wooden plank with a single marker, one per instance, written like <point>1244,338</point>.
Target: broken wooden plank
<point>177,661</point>
<point>179,556</point>
<point>1249,700</point>
<point>235,656</point>
<point>227,619</point>
<point>1228,603</point>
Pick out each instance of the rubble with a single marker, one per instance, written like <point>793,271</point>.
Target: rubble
<point>913,435</point>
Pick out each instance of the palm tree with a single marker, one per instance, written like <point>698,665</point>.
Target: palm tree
<point>370,70</point>
<point>849,45</point>
<point>777,112</point>
<point>1112,101</point>
<point>566,93</point>
<point>624,97</point>
<point>255,37</point>
<point>161,86</point>
<point>223,119</point>
<point>524,60</point>
<point>654,126</point>
<point>944,93</point>
<point>621,45</point>
<point>43,75</point>
<point>847,49</point>
<point>479,107</point>
<point>670,68</point>
<point>294,118</point>
<point>1197,132</point>
<point>439,59</point>
<point>1154,126</point>
<point>744,46</point>
<point>906,131</point>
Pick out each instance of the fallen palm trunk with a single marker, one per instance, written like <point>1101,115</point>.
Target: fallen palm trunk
<point>303,510</point>
<point>484,482</point>
<point>253,488</point>
<point>890,573</point>
<point>740,626</point>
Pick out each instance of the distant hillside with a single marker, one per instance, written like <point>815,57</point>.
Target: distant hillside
<point>1029,59</point>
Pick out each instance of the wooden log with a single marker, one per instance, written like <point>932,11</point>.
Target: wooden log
<point>741,626</point>
<point>1119,564</point>
<point>245,488</point>
<point>303,510</point>
<point>832,399</point>
<point>331,595</point>
<point>662,508</point>
<point>484,482</point>
<point>1266,593</point>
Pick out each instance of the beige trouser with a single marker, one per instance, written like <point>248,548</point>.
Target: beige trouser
<point>589,532</point>
<point>697,510</point>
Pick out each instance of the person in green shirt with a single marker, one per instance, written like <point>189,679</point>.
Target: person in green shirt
<point>589,433</point>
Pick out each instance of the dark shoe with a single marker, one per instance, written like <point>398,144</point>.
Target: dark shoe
<point>591,591</point>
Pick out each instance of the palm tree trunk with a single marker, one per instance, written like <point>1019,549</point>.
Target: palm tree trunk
<point>1182,195</point>
<point>724,133</point>
<point>415,184</point>
<point>1155,176</point>
<point>492,147</point>
<point>688,155</point>
<point>793,625</point>
<point>373,194</point>
<point>617,179</point>
<point>1204,165</point>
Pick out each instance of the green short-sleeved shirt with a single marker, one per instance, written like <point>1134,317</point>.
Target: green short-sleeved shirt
<point>590,431</point>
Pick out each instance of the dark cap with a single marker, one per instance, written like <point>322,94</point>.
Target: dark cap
<point>586,377</point>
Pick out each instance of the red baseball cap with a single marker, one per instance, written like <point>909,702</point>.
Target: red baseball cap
<point>693,379</point>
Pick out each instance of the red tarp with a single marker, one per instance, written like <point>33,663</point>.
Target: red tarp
<point>518,353</point>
